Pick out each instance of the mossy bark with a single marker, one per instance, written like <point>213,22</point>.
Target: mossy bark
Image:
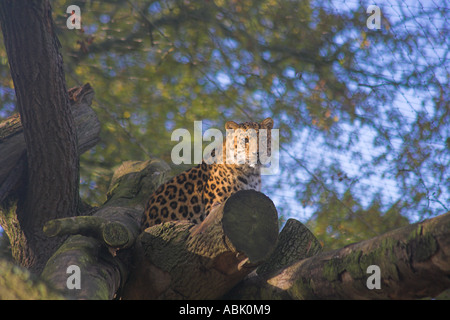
<point>134,181</point>
<point>117,227</point>
<point>100,274</point>
<point>414,262</point>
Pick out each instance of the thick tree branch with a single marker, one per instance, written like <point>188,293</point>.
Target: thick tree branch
<point>414,262</point>
<point>114,226</point>
<point>295,243</point>
<point>93,250</point>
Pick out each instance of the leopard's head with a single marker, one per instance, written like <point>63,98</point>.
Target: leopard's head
<point>250,140</point>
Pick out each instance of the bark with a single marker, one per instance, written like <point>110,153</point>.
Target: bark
<point>116,227</point>
<point>295,243</point>
<point>134,181</point>
<point>52,178</point>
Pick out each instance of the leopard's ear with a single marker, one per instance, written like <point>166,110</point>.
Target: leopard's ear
<point>231,125</point>
<point>267,123</point>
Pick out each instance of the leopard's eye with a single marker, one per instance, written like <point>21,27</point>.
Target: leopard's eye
<point>246,140</point>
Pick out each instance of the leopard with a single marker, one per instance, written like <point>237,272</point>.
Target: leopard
<point>192,194</point>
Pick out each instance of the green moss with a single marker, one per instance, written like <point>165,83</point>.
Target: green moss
<point>302,289</point>
<point>350,263</point>
<point>421,244</point>
<point>357,261</point>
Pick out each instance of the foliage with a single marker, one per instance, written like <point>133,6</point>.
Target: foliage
<point>363,114</point>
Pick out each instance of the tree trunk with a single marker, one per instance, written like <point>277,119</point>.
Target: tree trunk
<point>52,178</point>
<point>13,160</point>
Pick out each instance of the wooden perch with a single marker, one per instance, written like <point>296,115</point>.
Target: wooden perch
<point>414,262</point>
<point>181,260</point>
<point>134,181</point>
<point>92,248</point>
<point>12,141</point>
<point>100,274</point>
<point>295,243</point>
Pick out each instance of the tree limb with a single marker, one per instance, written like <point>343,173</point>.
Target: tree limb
<point>116,227</point>
<point>414,263</point>
<point>295,243</point>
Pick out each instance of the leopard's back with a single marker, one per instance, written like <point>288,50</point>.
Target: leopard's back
<point>180,198</point>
